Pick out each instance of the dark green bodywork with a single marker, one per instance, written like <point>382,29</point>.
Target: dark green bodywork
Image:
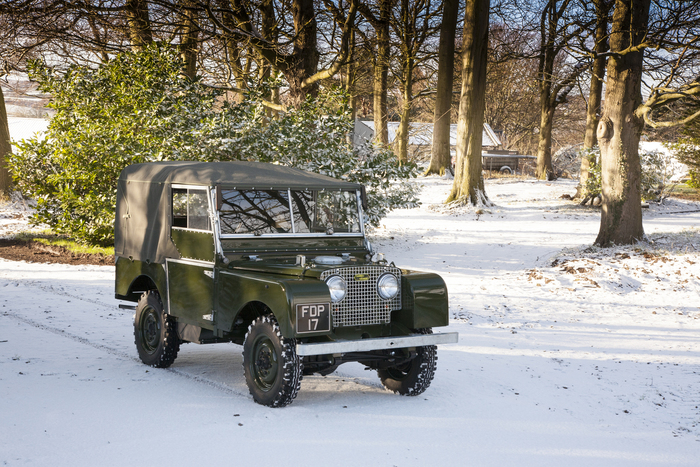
<point>216,295</point>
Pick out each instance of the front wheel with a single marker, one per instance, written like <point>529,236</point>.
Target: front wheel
<point>154,332</point>
<point>414,377</point>
<point>273,371</point>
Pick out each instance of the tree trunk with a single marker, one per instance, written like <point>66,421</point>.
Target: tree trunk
<point>468,185</point>
<point>350,79</point>
<point>189,39</point>
<point>140,34</point>
<point>544,169</point>
<point>596,91</point>
<point>440,157</point>
<point>305,56</point>
<point>236,75</point>
<point>544,144</point>
<point>620,129</point>
<point>381,71</point>
<point>5,150</point>
<point>402,135</point>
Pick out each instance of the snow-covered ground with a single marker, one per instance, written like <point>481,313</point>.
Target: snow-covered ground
<point>569,355</point>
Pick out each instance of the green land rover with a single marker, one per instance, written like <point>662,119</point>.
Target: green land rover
<point>275,259</point>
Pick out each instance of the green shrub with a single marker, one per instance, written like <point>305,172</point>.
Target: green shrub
<point>655,173</point>
<point>687,150</point>
<point>139,108</point>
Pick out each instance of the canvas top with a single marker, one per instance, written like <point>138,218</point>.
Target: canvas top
<point>234,174</point>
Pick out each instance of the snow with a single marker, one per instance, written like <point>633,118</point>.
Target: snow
<point>568,355</point>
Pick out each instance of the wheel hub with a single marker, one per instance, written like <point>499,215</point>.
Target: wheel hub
<point>265,363</point>
<point>150,329</point>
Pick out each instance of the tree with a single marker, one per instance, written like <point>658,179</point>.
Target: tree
<point>511,88</point>
<point>412,27</point>
<point>440,156</point>
<point>380,22</point>
<point>468,185</point>
<point>555,35</point>
<point>140,34</point>
<point>298,59</point>
<point>671,45</point>
<point>595,94</point>
<point>5,150</point>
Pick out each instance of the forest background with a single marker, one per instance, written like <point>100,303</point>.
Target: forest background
<point>534,70</point>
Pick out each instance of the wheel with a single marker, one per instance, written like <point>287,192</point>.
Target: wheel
<point>414,377</point>
<point>506,170</point>
<point>273,371</point>
<point>155,332</point>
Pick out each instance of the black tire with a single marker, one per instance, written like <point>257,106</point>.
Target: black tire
<point>506,170</point>
<point>273,371</point>
<point>414,377</point>
<point>155,333</point>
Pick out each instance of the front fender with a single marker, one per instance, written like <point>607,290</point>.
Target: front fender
<point>281,295</point>
<point>424,301</point>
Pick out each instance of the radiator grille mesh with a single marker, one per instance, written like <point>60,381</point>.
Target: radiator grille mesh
<point>362,304</point>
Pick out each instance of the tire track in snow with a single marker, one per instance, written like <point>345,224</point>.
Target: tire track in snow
<point>120,354</point>
<point>53,290</point>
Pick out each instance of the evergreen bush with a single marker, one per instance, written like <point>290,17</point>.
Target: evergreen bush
<point>655,174</point>
<point>138,107</point>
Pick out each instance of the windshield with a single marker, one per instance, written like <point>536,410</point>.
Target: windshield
<point>260,212</point>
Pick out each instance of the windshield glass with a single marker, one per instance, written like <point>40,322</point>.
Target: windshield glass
<point>260,212</point>
<point>319,211</point>
<point>255,212</point>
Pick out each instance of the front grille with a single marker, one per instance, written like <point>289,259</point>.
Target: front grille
<point>362,304</point>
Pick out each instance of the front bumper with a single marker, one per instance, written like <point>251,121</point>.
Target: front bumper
<point>378,343</point>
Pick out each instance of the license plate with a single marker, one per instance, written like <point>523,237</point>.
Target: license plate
<point>313,317</point>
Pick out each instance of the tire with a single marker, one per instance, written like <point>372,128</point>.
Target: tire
<point>506,170</point>
<point>414,377</point>
<point>273,371</point>
<point>155,332</point>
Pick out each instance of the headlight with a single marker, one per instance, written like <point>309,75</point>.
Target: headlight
<point>337,287</point>
<point>387,286</point>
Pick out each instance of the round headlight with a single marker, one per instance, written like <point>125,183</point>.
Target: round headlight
<point>387,286</point>
<point>337,287</point>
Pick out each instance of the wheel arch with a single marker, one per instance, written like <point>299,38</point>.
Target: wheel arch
<point>252,311</point>
<point>132,278</point>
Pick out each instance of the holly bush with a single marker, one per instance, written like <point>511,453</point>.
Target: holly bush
<point>655,173</point>
<point>138,107</point>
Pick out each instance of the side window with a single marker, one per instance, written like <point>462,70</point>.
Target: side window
<point>255,212</point>
<point>191,209</point>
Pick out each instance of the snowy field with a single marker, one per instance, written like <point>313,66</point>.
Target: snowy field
<point>568,355</point>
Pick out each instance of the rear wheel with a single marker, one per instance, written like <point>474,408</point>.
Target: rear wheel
<point>273,371</point>
<point>506,170</point>
<point>154,332</point>
<point>414,377</point>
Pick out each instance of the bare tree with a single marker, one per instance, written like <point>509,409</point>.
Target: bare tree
<point>555,35</point>
<point>380,18</point>
<point>413,26</point>
<point>440,156</point>
<point>669,46</point>
<point>468,185</point>
<point>619,129</point>
<point>139,21</point>
<point>511,88</point>
<point>5,150</point>
<point>595,94</point>
<point>298,59</point>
